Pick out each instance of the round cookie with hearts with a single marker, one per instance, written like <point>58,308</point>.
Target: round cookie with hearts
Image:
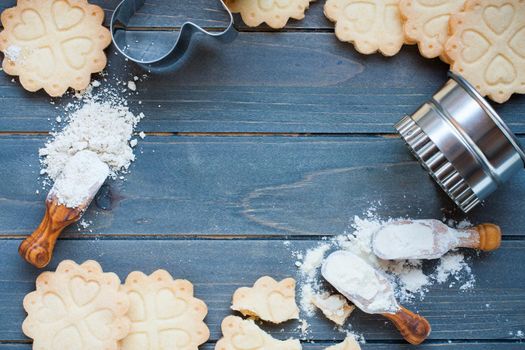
<point>348,344</point>
<point>426,23</point>
<point>239,334</point>
<point>53,44</point>
<point>371,25</point>
<point>275,13</point>
<point>268,300</point>
<point>76,307</point>
<point>163,312</point>
<point>487,46</point>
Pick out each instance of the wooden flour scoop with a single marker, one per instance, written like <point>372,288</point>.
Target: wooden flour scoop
<point>37,249</point>
<point>371,291</point>
<point>430,239</point>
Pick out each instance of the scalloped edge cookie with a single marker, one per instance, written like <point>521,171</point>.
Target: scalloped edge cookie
<point>160,296</point>
<point>496,53</point>
<point>239,334</point>
<point>427,25</point>
<point>73,293</point>
<point>53,44</point>
<point>268,300</point>
<point>368,37</point>
<point>335,307</point>
<point>276,17</point>
<point>348,344</point>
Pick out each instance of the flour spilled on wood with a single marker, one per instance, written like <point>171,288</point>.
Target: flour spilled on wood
<point>99,121</point>
<point>410,279</point>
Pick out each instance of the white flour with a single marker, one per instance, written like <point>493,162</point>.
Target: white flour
<point>80,179</point>
<point>13,52</point>
<point>349,273</point>
<point>395,243</point>
<point>103,127</point>
<point>408,277</point>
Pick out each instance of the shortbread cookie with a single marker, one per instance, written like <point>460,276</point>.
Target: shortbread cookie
<point>268,300</point>
<point>78,306</point>
<point>487,46</point>
<point>53,44</point>
<point>348,344</point>
<point>335,307</point>
<point>164,313</point>
<point>371,25</point>
<point>239,334</point>
<point>426,23</point>
<point>275,13</point>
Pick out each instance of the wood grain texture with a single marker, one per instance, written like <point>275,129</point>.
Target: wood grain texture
<point>264,82</point>
<point>249,186</point>
<point>218,267</point>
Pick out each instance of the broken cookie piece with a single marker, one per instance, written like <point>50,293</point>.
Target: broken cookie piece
<point>239,334</point>
<point>268,300</point>
<point>348,344</point>
<point>335,307</point>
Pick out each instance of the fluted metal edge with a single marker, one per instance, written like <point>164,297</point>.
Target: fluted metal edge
<point>437,165</point>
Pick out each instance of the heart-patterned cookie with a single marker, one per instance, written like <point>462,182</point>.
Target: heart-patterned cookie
<point>76,304</point>
<point>239,334</point>
<point>275,13</point>
<point>348,344</point>
<point>426,23</point>
<point>371,25</point>
<point>268,300</point>
<point>164,313</point>
<point>59,43</point>
<point>487,46</point>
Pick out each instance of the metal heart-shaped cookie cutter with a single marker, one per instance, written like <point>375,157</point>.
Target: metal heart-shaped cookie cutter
<point>165,60</point>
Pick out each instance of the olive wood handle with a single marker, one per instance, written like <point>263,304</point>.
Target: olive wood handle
<point>414,328</point>
<point>37,249</point>
<point>489,237</point>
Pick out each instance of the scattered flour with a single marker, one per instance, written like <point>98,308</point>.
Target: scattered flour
<point>103,127</point>
<point>13,52</point>
<point>80,179</point>
<point>408,277</point>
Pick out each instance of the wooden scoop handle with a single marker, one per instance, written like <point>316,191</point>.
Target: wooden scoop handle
<point>414,328</point>
<point>37,249</point>
<point>489,237</point>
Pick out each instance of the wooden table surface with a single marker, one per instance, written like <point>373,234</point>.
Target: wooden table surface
<point>280,135</point>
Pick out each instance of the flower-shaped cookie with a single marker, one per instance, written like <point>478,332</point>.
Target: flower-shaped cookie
<point>164,313</point>
<point>268,300</point>
<point>487,46</point>
<point>53,44</point>
<point>239,334</point>
<point>348,344</point>
<point>335,307</point>
<point>427,23</point>
<point>371,25</point>
<point>76,307</point>
<point>275,13</point>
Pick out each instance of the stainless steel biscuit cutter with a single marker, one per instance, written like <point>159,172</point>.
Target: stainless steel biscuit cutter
<point>463,143</point>
<point>164,60</point>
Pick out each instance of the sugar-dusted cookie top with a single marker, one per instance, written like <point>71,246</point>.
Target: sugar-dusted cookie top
<point>426,23</point>
<point>335,307</point>
<point>487,46</point>
<point>163,312</point>
<point>78,306</point>
<point>371,25</point>
<point>348,344</point>
<point>268,300</point>
<point>275,13</point>
<point>53,44</point>
<point>239,334</point>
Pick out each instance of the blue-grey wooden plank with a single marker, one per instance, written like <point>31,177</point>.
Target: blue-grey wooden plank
<point>207,13</point>
<point>252,185</point>
<point>373,346</point>
<point>265,82</point>
<point>218,267</point>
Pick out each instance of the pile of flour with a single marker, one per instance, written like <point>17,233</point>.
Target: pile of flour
<point>407,276</point>
<point>100,122</point>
